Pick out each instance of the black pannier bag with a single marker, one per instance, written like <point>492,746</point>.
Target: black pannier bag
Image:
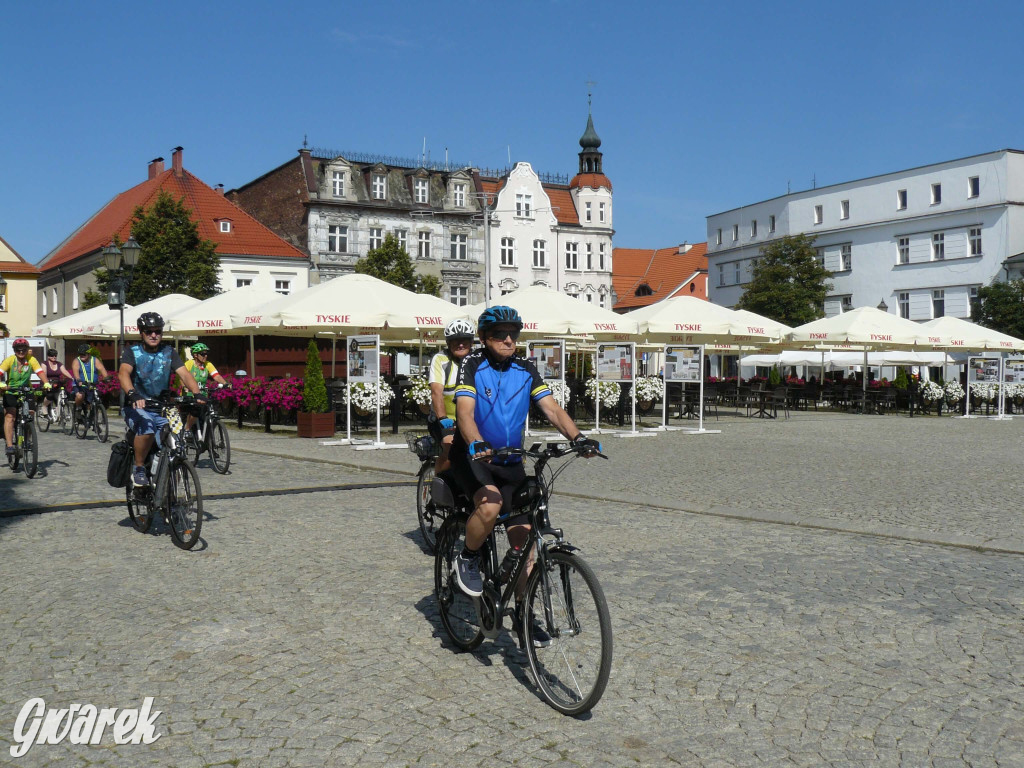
<point>119,468</point>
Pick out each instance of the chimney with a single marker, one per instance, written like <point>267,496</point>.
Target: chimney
<point>684,247</point>
<point>156,167</point>
<point>220,190</point>
<point>176,160</point>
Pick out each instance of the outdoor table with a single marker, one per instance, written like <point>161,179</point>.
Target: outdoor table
<point>763,398</point>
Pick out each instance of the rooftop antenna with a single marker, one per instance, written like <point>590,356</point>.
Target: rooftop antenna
<point>787,187</point>
<point>446,158</point>
<point>814,181</point>
<point>305,144</point>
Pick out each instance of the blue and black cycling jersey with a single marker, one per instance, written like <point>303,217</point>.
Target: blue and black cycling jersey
<point>151,371</point>
<point>503,392</point>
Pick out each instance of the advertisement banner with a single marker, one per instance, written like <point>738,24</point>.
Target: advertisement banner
<point>363,359</point>
<point>683,364</point>
<point>615,362</point>
<point>548,356</point>
<point>983,369</point>
<point>1013,372</point>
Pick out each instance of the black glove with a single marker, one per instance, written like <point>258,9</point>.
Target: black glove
<point>585,445</point>
<point>477,447</point>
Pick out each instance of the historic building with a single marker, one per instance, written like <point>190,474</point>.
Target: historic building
<point>250,254</point>
<point>17,292</point>
<point>644,276</point>
<point>918,242</point>
<point>460,223</point>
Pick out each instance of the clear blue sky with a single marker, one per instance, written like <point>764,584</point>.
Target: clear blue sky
<point>701,107</point>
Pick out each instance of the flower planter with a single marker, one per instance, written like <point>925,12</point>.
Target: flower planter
<point>315,424</point>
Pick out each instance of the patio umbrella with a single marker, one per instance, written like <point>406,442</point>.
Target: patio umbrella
<point>954,333</point>
<point>163,305</point>
<point>213,316</point>
<point>85,323</point>
<point>686,320</point>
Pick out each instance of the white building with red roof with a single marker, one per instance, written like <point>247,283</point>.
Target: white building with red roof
<point>249,252</point>
<point>17,291</point>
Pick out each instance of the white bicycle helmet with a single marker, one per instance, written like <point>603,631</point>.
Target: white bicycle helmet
<point>459,329</point>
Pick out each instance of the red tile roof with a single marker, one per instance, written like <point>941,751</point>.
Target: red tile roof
<point>662,269</point>
<point>247,237</point>
<point>20,266</point>
<point>561,199</point>
<point>590,180</point>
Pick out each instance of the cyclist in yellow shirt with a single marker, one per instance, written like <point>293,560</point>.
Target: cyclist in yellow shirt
<point>202,370</point>
<point>444,374</point>
<point>17,370</point>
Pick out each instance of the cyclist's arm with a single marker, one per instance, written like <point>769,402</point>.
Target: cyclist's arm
<point>124,378</point>
<point>465,421</point>
<point>220,379</point>
<point>101,369</point>
<point>435,380</point>
<point>75,369</point>
<point>65,372</point>
<point>39,370</point>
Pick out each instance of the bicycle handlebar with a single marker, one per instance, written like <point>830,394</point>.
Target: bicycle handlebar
<point>552,451</point>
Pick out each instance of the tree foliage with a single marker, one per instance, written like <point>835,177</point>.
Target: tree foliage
<point>314,390</point>
<point>393,264</point>
<point>1000,306</point>
<point>174,258</point>
<point>789,284</point>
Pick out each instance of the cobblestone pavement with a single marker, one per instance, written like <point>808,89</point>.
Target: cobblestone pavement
<point>304,630</point>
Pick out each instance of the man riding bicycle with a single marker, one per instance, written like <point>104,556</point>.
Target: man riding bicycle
<point>17,370</point>
<point>492,401</point>
<point>55,375</point>
<point>86,369</point>
<point>145,372</point>
<point>443,378</point>
<point>202,371</point>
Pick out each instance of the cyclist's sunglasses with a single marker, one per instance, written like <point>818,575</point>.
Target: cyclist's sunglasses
<point>21,349</point>
<point>502,335</point>
<point>158,331</point>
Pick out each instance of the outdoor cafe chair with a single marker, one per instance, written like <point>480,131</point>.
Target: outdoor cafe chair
<point>711,399</point>
<point>779,397</point>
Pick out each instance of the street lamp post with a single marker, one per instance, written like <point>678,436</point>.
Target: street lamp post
<point>113,257</point>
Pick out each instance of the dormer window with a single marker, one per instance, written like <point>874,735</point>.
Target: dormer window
<point>459,195</point>
<point>421,195</point>
<point>643,290</point>
<point>225,225</point>
<point>379,186</point>
<point>338,183</point>
<point>524,206</point>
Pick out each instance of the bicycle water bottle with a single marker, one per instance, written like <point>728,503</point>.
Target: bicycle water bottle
<point>508,564</point>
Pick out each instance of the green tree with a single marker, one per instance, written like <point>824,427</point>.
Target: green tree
<point>174,258</point>
<point>392,264</point>
<point>789,284</point>
<point>314,389</point>
<point>1000,306</point>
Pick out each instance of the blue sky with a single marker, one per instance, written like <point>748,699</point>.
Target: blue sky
<point>701,107</point>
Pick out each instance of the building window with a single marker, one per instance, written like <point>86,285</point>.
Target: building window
<point>524,206</point>
<point>74,295</point>
<point>904,301</point>
<point>421,190</point>
<point>735,232</point>
<point>243,282</point>
<point>225,226</point>
<point>938,246</point>
<point>846,257</point>
<point>540,254</point>
<point>974,236</point>
<point>771,225</point>
<point>590,256</point>
<point>972,298</point>
<point>901,199</point>
<point>718,238</point>
<point>600,212</point>
<point>818,214</point>
<point>938,303</point>
<point>973,186</point>
<point>338,183</point>
<point>844,209</point>
<point>600,257</point>
<point>573,294</point>
<point>376,237</point>
<point>423,244</point>
<point>753,228</point>
<point>53,293</point>
<point>572,255</point>
<point>736,273</point>
<point>458,295</point>
<point>936,194</point>
<point>846,304</point>
<point>43,294</point>
<point>508,252</point>
<point>586,209</point>
<point>379,187</point>
<point>337,239</point>
<point>590,298</point>
<point>903,247</point>
<point>820,255</point>
<point>600,300</point>
<point>283,286</point>
<point>402,236</point>
<point>460,247</point>
<point>459,195</point>
<point>721,274</point>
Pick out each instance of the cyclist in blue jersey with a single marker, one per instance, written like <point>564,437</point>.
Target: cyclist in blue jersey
<point>492,400</point>
<point>145,372</point>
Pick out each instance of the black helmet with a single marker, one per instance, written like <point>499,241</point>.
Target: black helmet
<point>83,348</point>
<point>51,353</point>
<point>499,314</point>
<point>150,320</point>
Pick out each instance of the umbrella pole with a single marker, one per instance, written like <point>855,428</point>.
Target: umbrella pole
<point>334,354</point>
<point>252,354</point>
<point>700,393</point>
<point>864,384</point>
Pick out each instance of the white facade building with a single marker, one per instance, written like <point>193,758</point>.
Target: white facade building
<point>921,240</point>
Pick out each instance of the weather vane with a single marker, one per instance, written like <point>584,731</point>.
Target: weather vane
<point>590,90</point>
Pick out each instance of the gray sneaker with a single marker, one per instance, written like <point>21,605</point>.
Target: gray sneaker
<point>467,574</point>
<point>139,478</point>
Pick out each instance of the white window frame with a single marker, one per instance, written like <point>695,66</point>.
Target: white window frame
<point>939,246</point>
<point>376,239</point>
<point>973,187</point>
<point>74,295</point>
<point>283,285</point>
<point>903,301</point>
<point>771,225</point>
<point>735,232</point>
<point>540,254</point>
<point>508,252</point>
<point>338,183</point>
<point>901,199</point>
<point>43,292</point>
<point>600,256</point>
<point>459,195</point>
<point>903,250</point>
<point>721,275</point>
<point>974,241</point>
<point>572,256</point>
<point>600,212</point>
<point>587,212</point>
<point>819,214</point>
<point>421,190</point>
<point>225,226</point>
<point>936,193</point>
<point>844,209</point>
<point>379,186</point>
<point>524,205</point>
<point>56,304</point>
<point>737,273</point>
<point>243,282</point>
<point>846,257</point>
<point>402,235</point>
<point>423,244</point>
<point>718,239</point>
<point>938,295</point>
<point>753,228</point>
<point>590,257</point>
<point>819,254</point>
<point>458,295</point>
<point>460,246</point>
<point>845,304</point>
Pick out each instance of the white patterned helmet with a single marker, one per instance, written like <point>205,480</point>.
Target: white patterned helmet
<point>459,329</point>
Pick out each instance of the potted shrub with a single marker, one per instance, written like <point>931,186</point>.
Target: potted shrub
<point>314,419</point>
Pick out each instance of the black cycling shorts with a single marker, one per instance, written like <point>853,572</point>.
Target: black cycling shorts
<point>474,475</point>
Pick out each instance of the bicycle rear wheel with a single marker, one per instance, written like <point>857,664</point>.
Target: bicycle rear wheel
<point>140,507</point>
<point>66,420</point>
<point>457,609</point>
<point>219,445</point>
<point>99,415</point>
<point>30,449</point>
<point>429,517</point>
<point>43,419</point>
<point>184,505</point>
<point>79,426</point>
<point>573,670</point>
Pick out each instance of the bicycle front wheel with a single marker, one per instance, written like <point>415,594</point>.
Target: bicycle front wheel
<point>66,418</point>
<point>458,612</point>
<point>43,419</point>
<point>572,671</point>
<point>79,426</point>
<point>140,508</point>
<point>99,414</point>
<point>184,505</point>
<point>31,449</point>
<point>429,517</point>
<point>219,444</point>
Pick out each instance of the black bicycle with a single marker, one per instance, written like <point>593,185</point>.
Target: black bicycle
<point>562,594</point>
<point>26,438</point>
<point>89,415</point>
<point>429,515</point>
<point>173,488</point>
<point>209,435</point>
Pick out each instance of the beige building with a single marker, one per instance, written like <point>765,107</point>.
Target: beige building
<point>17,291</point>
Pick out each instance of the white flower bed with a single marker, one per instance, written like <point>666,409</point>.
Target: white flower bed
<point>647,388</point>
<point>419,392</point>
<point>559,391</point>
<point>984,391</point>
<point>369,396</point>
<point>953,392</point>
<point>931,391</point>
<point>609,392</point>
